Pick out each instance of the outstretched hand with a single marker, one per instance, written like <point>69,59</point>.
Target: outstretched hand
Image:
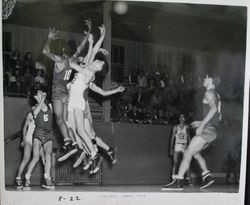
<point>88,23</point>
<point>52,34</point>
<point>44,95</point>
<point>102,29</point>
<point>91,38</point>
<point>121,89</point>
<point>103,51</point>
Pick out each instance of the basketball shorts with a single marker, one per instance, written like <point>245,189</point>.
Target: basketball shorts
<point>76,100</point>
<point>180,147</point>
<point>44,136</point>
<point>209,134</point>
<point>59,92</point>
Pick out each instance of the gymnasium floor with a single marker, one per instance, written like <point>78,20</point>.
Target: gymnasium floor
<point>136,188</point>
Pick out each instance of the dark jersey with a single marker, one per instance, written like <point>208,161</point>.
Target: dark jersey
<point>214,121</point>
<point>60,80</point>
<point>44,121</point>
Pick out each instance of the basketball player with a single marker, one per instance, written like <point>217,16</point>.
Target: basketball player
<point>28,129</point>
<point>61,75</point>
<point>77,103</point>
<point>179,142</point>
<point>87,115</point>
<point>205,135</point>
<point>42,138</point>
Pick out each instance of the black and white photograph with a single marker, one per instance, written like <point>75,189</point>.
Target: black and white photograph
<point>124,102</point>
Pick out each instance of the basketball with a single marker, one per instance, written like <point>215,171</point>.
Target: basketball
<point>120,8</point>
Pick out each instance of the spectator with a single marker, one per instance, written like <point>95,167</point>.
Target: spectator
<point>13,84</point>
<point>151,86</point>
<point>27,80</point>
<point>124,109</point>
<point>142,80</point>
<point>127,96</point>
<point>132,78</point>
<point>139,98</point>
<point>141,118</point>
<point>156,100</point>
<point>155,116</point>
<point>19,67</point>
<point>39,78</point>
<point>132,114</point>
<point>13,65</point>
<point>18,80</point>
<point>28,62</point>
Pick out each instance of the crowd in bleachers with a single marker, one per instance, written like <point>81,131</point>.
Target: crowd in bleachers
<point>151,97</point>
<point>20,74</point>
<point>155,97</point>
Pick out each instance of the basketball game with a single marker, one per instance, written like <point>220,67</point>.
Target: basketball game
<point>124,99</point>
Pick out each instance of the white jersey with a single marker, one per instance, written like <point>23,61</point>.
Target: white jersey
<point>181,135</point>
<point>77,87</point>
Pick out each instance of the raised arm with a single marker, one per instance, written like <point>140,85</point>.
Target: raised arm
<point>38,108</point>
<point>75,66</point>
<point>102,92</point>
<point>88,23</point>
<point>98,43</point>
<point>188,133</point>
<point>46,49</point>
<point>90,49</point>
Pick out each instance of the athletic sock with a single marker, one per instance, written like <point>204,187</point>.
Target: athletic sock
<point>74,143</point>
<point>178,177</point>
<point>27,176</point>
<point>46,175</point>
<point>205,172</point>
<point>67,141</point>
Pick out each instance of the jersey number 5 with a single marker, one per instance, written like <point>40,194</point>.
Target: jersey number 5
<point>45,118</point>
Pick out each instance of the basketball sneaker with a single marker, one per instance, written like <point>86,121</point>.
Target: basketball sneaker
<point>68,150</point>
<point>18,183</point>
<point>207,180</point>
<point>80,157</point>
<point>112,155</point>
<point>96,164</point>
<point>176,184</point>
<point>188,182</point>
<point>53,183</point>
<point>26,186</point>
<point>47,184</point>
<point>87,162</point>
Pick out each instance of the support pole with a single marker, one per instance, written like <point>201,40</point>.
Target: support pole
<point>107,45</point>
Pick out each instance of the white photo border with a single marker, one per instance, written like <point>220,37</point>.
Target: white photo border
<point>117,198</point>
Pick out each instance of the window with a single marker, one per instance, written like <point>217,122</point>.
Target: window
<point>117,55</point>
<point>117,61</point>
<point>6,42</point>
<point>7,39</point>
<point>163,59</point>
<point>185,62</point>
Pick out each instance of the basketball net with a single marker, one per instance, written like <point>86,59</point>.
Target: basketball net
<point>7,8</point>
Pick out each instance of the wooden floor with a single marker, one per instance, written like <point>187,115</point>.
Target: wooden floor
<point>136,188</point>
